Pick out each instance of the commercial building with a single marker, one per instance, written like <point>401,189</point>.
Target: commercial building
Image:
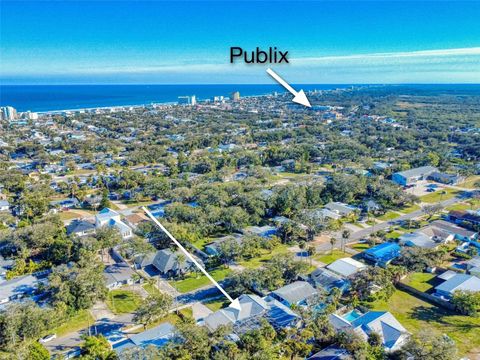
<point>410,177</point>
<point>8,113</point>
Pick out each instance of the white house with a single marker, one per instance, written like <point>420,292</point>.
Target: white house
<point>111,218</point>
<point>346,267</point>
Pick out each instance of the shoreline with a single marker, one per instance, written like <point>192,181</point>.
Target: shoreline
<point>25,101</point>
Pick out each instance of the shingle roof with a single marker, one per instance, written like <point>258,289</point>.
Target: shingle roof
<point>295,292</point>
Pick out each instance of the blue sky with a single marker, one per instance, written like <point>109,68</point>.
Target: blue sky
<point>66,42</point>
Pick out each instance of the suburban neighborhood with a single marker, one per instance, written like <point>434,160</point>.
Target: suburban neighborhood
<point>344,231</point>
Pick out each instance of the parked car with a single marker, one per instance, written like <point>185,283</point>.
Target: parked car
<point>47,338</point>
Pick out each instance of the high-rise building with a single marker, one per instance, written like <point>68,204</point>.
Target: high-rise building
<point>8,113</point>
<point>187,100</point>
<point>236,96</point>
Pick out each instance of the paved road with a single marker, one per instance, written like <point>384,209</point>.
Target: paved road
<point>382,226</point>
<point>364,233</point>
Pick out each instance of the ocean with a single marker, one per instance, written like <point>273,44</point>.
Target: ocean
<point>41,98</point>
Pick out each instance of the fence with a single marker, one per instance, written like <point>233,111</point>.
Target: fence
<point>427,297</point>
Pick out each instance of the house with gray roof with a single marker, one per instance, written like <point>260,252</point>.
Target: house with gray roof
<point>17,288</point>
<point>252,309</point>
<point>296,293</point>
<point>417,239</point>
<point>458,232</point>
<point>167,262</point>
<point>412,176</point>
<point>157,336</point>
<point>327,280</point>
<point>340,208</point>
<point>262,231</point>
<point>117,275</point>
<point>80,227</point>
<point>383,323</point>
<point>333,352</point>
<point>458,282</point>
<point>213,248</point>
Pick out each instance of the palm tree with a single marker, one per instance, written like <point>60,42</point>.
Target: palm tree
<point>332,242</point>
<point>179,260</point>
<point>345,236</point>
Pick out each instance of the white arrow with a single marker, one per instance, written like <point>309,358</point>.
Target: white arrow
<point>299,97</point>
<point>235,304</point>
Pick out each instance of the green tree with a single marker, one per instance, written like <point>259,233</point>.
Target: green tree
<point>37,351</point>
<point>467,302</point>
<point>153,307</point>
<point>97,348</point>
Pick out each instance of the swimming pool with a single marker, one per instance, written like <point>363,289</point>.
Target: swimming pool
<point>351,316</point>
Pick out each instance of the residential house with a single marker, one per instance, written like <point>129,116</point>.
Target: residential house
<point>444,178</point>
<point>346,267</point>
<point>17,288</point>
<point>458,282</point>
<point>392,334</point>
<point>473,266</point>
<point>460,217</point>
<point>262,231</point>
<point>111,218</point>
<point>458,232</point>
<point>117,275</point>
<point>252,309</point>
<point>412,176</point>
<point>341,209</point>
<point>213,248</point>
<point>294,294</point>
<point>327,280</point>
<point>166,262</point>
<point>135,219</point>
<point>417,239</point>
<point>382,254</point>
<point>333,352</point>
<point>157,336</point>
<point>80,227</point>
<point>67,203</point>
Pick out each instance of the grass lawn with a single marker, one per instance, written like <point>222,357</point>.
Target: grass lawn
<point>69,215</point>
<point>123,301</point>
<point>473,203</point>
<point>264,257</point>
<point>393,235</point>
<point>409,209</point>
<point>194,281</point>
<point>151,289</point>
<point>470,182</point>
<point>417,315</point>
<point>330,257</point>
<point>216,304</point>
<point>81,320</point>
<point>438,196</point>
<point>420,281</point>
<point>360,246</point>
<point>389,215</point>
<point>200,244</point>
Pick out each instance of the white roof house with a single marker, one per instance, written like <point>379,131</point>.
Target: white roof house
<point>296,293</point>
<point>459,282</point>
<point>111,218</point>
<point>346,267</point>
<point>392,333</point>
